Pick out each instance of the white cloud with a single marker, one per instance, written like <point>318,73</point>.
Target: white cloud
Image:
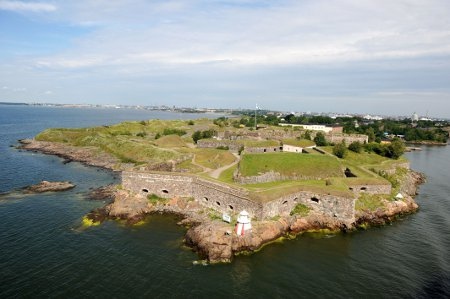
<point>20,6</point>
<point>294,32</point>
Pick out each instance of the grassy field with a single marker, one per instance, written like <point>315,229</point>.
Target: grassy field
<point>213,158</point>
<point>170,141</point>
<point>291,164</point>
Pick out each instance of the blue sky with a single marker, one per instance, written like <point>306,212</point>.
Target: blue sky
<point>357,56</point>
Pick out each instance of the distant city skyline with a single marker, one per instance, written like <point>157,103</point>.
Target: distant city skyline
<point>345,56</point>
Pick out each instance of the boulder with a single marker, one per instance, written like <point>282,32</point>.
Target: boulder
<point>46,186</point>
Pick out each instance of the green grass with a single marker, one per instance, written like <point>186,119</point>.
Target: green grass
<point>170,141</point>
<point>291,164</point>
<point>213,158</point>
<point>299,143</point>
<point>227,175</point>
<point>301,210</point>
<point>155,199</point>
<point>369,202</point>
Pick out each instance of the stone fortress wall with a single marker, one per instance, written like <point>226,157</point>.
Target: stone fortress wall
<point>348,138</point>
<point>232,200</point>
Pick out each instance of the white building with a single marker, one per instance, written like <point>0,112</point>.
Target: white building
<point>322,128</point>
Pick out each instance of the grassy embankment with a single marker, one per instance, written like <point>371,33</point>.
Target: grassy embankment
<point>134,142</point>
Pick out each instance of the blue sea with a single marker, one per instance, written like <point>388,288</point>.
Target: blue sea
<point>46,253</point>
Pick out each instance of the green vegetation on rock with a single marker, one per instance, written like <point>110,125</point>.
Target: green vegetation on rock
<point>155,199</point>
<point>301,210</point>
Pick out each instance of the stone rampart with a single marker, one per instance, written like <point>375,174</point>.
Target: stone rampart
<point>207,143</point>
<point>370,189</point>
<point>348,138</point>
<point>265,149</point>
<point>341,208</point>
<point>219,197</point>
<point>232,200</point>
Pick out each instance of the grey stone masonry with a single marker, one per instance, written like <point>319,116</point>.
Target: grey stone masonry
<point>230,199</point>
<point>341,208</point>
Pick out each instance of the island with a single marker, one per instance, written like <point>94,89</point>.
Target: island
<point>237,187</point>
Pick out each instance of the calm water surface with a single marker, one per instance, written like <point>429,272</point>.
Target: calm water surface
<point>44,252</point>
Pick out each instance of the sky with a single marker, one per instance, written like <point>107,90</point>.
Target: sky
<point>346,56</point>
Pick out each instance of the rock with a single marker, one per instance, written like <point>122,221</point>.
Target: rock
<point>46,186</point>
<point>87,155</point>
<point>103,193</point>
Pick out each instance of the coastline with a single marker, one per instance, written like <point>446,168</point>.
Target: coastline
<point>210,237</point>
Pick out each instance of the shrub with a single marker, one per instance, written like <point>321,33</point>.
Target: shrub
<point>395,149</point>
<point>197,135</point>
<point>190,123</point>
<point>141,134</point>
<point>320,139</point>
<point>355,146</point>
<point>340,150</point>
<point>171,131</point>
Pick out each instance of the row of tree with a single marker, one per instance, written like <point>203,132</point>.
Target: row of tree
<point>393,150</point>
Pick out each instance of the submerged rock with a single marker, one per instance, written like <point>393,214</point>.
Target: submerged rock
<point>46,186</point>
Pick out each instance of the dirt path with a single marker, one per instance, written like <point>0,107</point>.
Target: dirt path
<point>205,169</point>
<point>216,173</point>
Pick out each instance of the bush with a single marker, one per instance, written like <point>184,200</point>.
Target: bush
<point>355,146</point>
<point>340,150</point>
<point>141,134</point>
<point>202,135</point>
<point>320,139</point>
<point>396,149</point>
<point>171,131</point>
<point>190,123</point>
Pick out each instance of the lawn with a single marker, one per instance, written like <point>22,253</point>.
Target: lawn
<point>291,164</point>
<point>213,158</point>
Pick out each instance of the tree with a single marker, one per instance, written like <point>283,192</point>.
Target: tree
<point>307,135</point>
<point>340,150</point>
<point>396,149</point>
<point>371,133</point>
<point>355,146</point>
<point>196,136</point>
<point>320,139</point>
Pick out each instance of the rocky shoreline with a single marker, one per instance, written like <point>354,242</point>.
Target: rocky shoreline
<point>215,240</point>
<point>87,155</point>
<point>212,238</point>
